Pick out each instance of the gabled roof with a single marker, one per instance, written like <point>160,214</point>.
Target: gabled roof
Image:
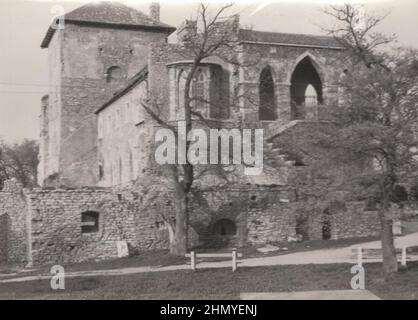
<point>132,83</point>
<point>289,39</point>
<point>111,14</point>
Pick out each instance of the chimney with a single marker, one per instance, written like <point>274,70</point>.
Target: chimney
<point>154,11</point>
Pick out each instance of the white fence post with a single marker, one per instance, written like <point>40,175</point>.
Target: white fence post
<point>359,257</point>
<point>403,258</point>
<point>234,260</point>
<point>193,260</point>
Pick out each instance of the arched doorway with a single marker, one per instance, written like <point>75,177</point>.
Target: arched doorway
<point>267,109</point>
<point>224,227</point>
<point>305,88</point>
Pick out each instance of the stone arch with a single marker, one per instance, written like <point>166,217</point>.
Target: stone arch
<point>314,62</point>
<point>224,227</point>
<point>267,95</point>
<point>305,75</point>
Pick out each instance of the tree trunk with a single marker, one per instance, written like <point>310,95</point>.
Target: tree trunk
<point>390,261</point>
<point>179,239</point>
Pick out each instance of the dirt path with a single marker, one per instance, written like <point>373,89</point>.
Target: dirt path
<point>323,256</point>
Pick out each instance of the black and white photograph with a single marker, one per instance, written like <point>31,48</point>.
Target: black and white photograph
<point>218,151</point>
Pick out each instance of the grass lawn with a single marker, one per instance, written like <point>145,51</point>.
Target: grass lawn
<point>219,283</point>
<point>160,258</point>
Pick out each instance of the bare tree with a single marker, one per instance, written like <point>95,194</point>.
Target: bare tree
<point>19,161</point>
<point>377,121</point>
<point>215,36</point>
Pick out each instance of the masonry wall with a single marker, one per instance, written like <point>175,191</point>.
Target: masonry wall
<point>80,58</point>
<point>4,227</point>
<point>125,139</point>
<point>13,236</point>
<point>242,205</point>
<point>56,234</point>
<point>355,221</point>
<point>282,60</point>
<point>45,225</point>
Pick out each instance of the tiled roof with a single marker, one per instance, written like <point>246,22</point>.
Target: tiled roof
<point>288,38</point>
<point>135,80</point>
<point>109,13</point>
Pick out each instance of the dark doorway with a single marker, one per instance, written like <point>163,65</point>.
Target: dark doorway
<point>302,228</point>
<point>268,109</point>
<point>305,86</point>
<point>224,227</point>
<point>326,225</point>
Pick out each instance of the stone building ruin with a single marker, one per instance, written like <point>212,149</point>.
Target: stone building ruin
<point>97,140</point>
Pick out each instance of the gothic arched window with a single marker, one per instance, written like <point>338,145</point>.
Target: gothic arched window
<point>181,82</point>
<point>198,90</point>
<point>267,109</point>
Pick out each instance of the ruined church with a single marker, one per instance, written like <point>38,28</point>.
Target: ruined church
<point>97,141</point>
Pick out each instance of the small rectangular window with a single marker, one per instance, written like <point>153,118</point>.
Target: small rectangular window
<point>89,222</point>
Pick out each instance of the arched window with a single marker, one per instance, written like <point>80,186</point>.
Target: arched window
<point>267,108</point>
<point>131,166</point>
<point>219,94</point>
<point>114,74</point>
<point>101,168</point>
<point>224,227</point>
<point>305,75</point>
<point>181,82</point>
<point>198,90</point>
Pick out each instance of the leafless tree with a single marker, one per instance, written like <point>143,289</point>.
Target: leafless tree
<point>215,36</point>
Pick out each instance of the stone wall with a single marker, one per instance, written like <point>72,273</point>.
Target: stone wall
<point>13,222</point>
<point>125,139</point>
<point>56,233</point>
<point>45,225</point>
<point>241,205</point>
<point>4,231</point>
<point>81,58</point>
<point>282,60</point>
<point>355,221</point>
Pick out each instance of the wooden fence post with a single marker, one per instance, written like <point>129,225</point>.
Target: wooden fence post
<point>234,260</point>
<point>403,258</point>
<point>193,260</point>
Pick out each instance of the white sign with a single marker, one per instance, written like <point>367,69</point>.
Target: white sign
<point>122,247</point>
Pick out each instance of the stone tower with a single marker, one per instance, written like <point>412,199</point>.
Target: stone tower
<point>101,46</point>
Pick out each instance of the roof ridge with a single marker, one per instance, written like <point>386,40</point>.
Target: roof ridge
<point>289,39</point>
<point>289,33</point>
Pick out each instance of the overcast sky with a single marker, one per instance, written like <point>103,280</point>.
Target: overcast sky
<point>23,64</point>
